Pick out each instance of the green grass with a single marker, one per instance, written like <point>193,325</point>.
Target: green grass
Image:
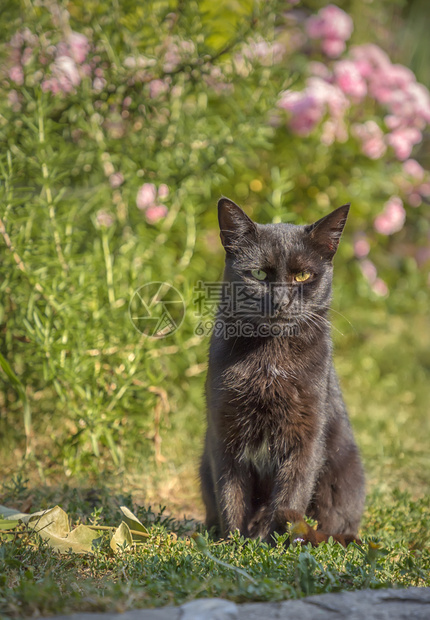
<point>171,567</point>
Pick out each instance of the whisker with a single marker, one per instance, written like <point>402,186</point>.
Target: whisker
<point>344,317</point>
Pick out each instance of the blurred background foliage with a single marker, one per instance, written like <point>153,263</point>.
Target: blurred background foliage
<point>121,124</point>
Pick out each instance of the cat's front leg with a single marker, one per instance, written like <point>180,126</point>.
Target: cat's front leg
<point>233,495</point>
<point>292,490</point>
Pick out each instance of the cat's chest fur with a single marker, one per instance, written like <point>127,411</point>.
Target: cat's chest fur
<point>266,404</point>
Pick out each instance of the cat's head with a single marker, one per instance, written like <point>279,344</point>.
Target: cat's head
<point>285,271</point>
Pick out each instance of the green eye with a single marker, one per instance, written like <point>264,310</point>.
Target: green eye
<point>259,274</point>
<point>302,276</point>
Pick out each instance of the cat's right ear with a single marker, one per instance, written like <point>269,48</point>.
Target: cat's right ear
<point>235,226</point>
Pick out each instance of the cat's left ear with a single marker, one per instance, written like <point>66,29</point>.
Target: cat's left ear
<point>326,232</point>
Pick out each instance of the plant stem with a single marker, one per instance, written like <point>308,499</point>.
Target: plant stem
<point>49,200</point>
<point>109,270</point>
<point>110,527</point>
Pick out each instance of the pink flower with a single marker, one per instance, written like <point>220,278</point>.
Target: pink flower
<point>333,26</point>
<point>329,94</point>
<point>369,270</point>
<point>414,199</point>
<point>66,72</point>
<point>402,140</point>
<point>393,85</point>
<point>14,100</point>
<point>52,85</point>
<point>422,256</point>
<point>79,47</point>
<point>334,129</point>
<point>172,59</point>
<point>372,139</point>
<point>424,189</point>
<point>104,219</point>
<point>374,148</point>
<point>397,76</point>
<point>163,191</point>
<point>330,22</point>
<point>392,218</point>
<point>393,122</point>
<point>16,74</point>
<point>176,53</point>
<point>306,111</point>
<point>349,79</point>
<point>333,48</point>
<point>146,196</point>
<point>308,107</point>
<point>116,179</point>
<point>155,213</point>
<point>265,52</point>
<point>420,97</point>
<point>361,247</point>
<point>413,169</point>
<point>319,69</point>
<point>369,57</point>
<point>380,288</point>
<point>99,84</point>
<point>157,88</point>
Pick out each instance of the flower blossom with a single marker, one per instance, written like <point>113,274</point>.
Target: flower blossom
<point>79,47</point>
<point>146,196</point>
<point>392,218</point>
<point>157,88</point>
<point>177,51</point>
<point>349,79</point>
<point>265,52</point>
<point>147,201</point>
<point>395,87</point>
<point>104,218</point>
<point>415,186</point>
<point>333,26</point>
<point>16,74</point>
<point>361,246</point>
<point>155,213</point>
<point>380,287</point>
<point>163,191</point>
<point>308,107</point>
<point>372,139</point>
<point>403,139</point>
<point>116,179</point>
<point>369,271</point>
<point>306,112</point>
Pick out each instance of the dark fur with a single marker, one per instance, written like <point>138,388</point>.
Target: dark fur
<point>279,443</point>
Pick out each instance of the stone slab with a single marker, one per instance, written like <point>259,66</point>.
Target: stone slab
<point>392,604</point>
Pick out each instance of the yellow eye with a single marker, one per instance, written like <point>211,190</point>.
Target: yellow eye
<point>259,274</point>
<point>302,276</point>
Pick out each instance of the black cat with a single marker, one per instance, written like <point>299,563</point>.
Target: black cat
<point>279,443</point>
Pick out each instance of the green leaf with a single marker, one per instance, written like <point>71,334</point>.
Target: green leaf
<point>134,524</point>
<point>8,524</point>
<point>122,536</point>
<point>7,369</point>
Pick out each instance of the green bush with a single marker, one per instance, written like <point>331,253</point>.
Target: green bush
<point>120,127</point>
